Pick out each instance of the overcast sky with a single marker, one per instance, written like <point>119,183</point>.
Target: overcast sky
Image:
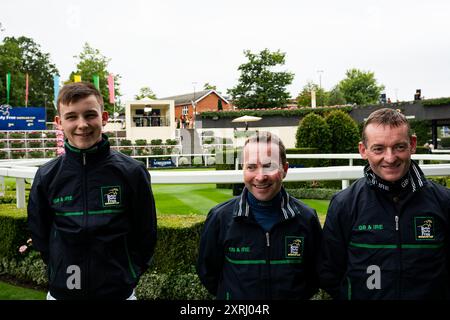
<point>174,45</point>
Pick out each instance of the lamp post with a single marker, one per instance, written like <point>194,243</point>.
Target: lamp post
<point>320,78</point>
<point>194,106</point>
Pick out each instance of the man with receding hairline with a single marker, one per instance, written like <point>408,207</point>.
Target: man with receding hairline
<point>387,235</point>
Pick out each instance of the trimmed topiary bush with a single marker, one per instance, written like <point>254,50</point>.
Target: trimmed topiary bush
<point>344,132</point>
<point>313,132</point>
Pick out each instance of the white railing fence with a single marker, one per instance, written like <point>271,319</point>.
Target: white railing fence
<point>26,169</point>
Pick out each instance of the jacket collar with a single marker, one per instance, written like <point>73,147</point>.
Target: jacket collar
<point>99,149</point>
<point>413,180</point>
<point>242,208</point>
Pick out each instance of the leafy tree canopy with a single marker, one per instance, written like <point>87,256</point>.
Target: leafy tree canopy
<point>304,97</point>
<point>145,93</point>
<point>92,63</point>
<point>260,85</point>
<point>21,56</point>
<point>360,87</point>
<point>208,86</point>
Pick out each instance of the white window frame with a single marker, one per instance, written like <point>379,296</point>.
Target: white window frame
<point>185,110</point>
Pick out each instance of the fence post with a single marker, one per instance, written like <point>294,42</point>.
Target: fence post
<point>345,184</point>
<point>2,186</point>
<point>20,192</point>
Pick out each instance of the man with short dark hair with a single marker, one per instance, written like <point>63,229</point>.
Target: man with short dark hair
<point>91,211</point>
<point>263,244</point>
<point>387,235</point>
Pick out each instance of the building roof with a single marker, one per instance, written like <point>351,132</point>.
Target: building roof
<point>194,96</point>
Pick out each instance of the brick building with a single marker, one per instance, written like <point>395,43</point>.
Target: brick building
<point>206,100</point>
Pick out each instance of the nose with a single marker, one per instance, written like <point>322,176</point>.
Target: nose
<point>260,175</point>
<point>82,123</point>
<point>389,155</point>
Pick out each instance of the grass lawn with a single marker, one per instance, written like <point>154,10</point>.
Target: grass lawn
<point>188,199</point>
<point>12,292</point>
<point>200,198</point>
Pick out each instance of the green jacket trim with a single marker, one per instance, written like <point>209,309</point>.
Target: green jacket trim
<point>290,261</point>
<point>394,246</point>
<point>80,213</point>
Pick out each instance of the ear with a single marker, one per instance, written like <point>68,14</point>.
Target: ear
<point>58,122</point>
<point>105,117</point>
<point>413,143</point>
<point>285,169</point>
<point>362,150</point>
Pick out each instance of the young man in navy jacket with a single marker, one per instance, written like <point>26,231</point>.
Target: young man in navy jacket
<point>91,211</point>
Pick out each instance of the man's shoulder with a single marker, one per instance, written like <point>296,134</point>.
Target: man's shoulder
<point>127,163</point>
<point>350,192</point>
<point>302,207</point>
<point>50,165</point>
<point>225,208</point>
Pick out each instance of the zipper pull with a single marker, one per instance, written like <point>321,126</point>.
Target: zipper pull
<point>396,223</point>
<point>267,239</point>
<point>84,159</point>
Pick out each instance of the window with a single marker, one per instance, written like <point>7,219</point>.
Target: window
<point>185,110</point>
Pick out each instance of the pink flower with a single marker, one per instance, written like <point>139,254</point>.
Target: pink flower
<point>23,248</point>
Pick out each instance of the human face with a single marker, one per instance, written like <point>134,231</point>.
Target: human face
<point>388,150</point>
<point>263,170</point>
<point>82,122</point>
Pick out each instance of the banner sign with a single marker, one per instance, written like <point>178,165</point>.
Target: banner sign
<point>161,163</point>
<point>20,118</point>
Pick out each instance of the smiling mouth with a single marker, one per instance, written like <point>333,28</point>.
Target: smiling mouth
<point>391,167</point>
<point>262,187</point>
<point>83,134</point>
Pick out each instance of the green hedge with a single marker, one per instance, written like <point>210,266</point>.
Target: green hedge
<point>171,276</point>
<point>435,102</point>
<point>312,193</point>
<point>300,112</point>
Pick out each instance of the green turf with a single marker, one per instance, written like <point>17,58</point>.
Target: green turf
<point>188,199</point>
<point>200,198</point>
<point>11,292</point>
<point>192,198</point>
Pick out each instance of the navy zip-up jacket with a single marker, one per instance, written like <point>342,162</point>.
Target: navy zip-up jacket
<point>91,213</point>
<point>377,246</point>
<point>239,260</point>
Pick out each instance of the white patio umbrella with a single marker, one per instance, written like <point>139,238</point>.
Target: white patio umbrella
<point>246,119</point>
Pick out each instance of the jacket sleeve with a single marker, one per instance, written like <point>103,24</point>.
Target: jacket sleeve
<point>142,238</point>
<point>40,217</point>
<point>333,257</point>
<point>211,256</point>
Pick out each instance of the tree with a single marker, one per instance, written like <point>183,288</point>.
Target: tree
<point>21,56</point>
<point>360,87</point>
<point>344,132</point>
<point>313,132</point>
<point>208,86</point>
<point>304,97</point>
<point>335,97</point>
<point>145,92</point>
<point>259,86</point>
<point>92,62</point>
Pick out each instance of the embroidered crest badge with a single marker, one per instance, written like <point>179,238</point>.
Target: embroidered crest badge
<point>111,196</point>
<point>294,246</point>
<point>424,228</point>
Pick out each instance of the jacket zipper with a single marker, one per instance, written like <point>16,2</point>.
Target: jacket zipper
<point>85,217</point>
<point>269,291</point>
<point>399,248</point>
